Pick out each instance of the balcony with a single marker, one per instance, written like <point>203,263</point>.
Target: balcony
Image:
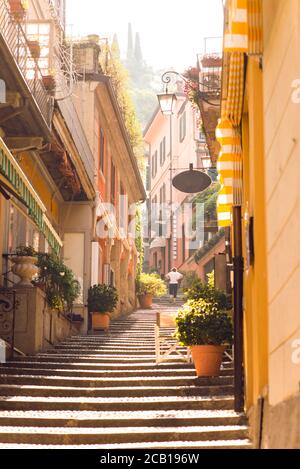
<point>210,67</point>
<point>16,49</point>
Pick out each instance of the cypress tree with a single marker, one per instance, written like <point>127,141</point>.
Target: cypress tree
<point>115,48</point>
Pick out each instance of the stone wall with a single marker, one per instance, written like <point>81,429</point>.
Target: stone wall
<point>37,327</point>
<point>275,427</point>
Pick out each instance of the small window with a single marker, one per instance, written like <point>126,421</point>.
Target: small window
<point>154,165</point>
<point>113,183</point>
<point>148,184</point>
<point>162,194</point>
<point>182,127</point>
<point>101,151</point>
<point>162,151</point>
<point>202,137</point>
<point>154,212</point>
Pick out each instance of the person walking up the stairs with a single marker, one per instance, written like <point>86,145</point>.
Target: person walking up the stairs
<point>174,278</point>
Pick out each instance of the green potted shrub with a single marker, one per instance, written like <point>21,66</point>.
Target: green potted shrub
<point>207,330</point>
<point>148,286</point>
<point>24,265</point>
<point>197,290</point>
<point>102,300</point>
<point>58,282</point>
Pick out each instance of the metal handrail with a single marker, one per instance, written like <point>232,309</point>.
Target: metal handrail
<point>5,274</point>
<point>17,43</point>
<point>8,304</point>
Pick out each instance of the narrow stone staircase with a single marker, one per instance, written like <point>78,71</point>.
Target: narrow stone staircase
<point>106,392</point>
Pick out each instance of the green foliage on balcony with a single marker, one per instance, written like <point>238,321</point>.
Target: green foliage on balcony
<point>210,244</point>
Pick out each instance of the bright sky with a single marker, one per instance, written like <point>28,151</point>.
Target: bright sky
<point>172,31</point>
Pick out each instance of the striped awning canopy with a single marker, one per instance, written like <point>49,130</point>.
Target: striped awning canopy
<point>232,105</point>
<point>18,184</point>
<point>229,163</point>
<point>243,31</point>
<point>229,169</point>
<point>243,35</point>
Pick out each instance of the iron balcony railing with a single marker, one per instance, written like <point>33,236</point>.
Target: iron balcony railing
<point>15,39</point>
<point>8,304</point>
<point>210,66</point>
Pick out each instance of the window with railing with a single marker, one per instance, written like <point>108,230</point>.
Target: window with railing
<point>101,151</point>
<point>182,127</point>
<point>162,151</point>
<point>113,184</point>
<point>26,57</point>
<point>41,32</point>
<point>154,165</point>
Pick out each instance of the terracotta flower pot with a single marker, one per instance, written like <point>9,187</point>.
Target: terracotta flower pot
<point>49,82</point>
<point>207,359</point>
<point>25,268</point>
<point>34,48</point>
<point>17,9</point>
<point>145,301</point>
<point>100,321</point>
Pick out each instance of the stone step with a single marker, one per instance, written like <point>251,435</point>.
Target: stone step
<point>107,373</point>
<point>106,391</point>
<point>98,359</point>
<point>113,381</point>
<point>108,343</point>
<point>122,357</point>
<point>104,369</point>
<point>135,336</point>
<point>117,404</point>
<point>179,445</point>
<point>107,358</point>
<point>143,322</point>
<point>112,435</point>
<point>121,392</point>
<point>131,330</point>
<point>136,329</point>
<point>120,419</point>
<point>107,351</point>
<point>112,342</point>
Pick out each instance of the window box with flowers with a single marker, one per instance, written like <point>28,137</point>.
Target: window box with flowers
<point>18,8</point>
<point>211,61</point>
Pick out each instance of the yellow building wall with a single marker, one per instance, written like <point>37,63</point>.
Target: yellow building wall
<point>47,196</point>
<point>255,276</point>
<point>282,163</point>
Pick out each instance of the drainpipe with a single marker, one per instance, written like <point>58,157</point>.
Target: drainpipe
<point>238,267</point>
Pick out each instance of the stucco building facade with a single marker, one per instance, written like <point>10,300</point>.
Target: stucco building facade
<point>60,163</point>
<point>268,225</point>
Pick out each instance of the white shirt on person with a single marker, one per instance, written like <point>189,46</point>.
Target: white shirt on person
<point>174,277</point>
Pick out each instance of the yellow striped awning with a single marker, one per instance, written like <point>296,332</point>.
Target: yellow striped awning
<point>243,31</point>
<point>233,104</point>
<point>229,167</point>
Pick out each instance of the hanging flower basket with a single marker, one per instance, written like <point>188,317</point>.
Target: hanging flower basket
<point>18,9</point>
<point>34,48</point>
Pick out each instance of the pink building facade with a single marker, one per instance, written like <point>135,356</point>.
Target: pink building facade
<point>187,145</point>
